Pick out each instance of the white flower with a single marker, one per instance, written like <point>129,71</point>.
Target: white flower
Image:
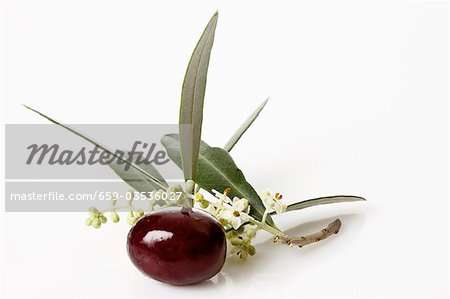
<point>222,196</point>
<point>279,207</point>
<point>240,204</point>
<point>266,197</point>
<point>273,202</point>
<point>211,210</point>
<point>237,213</point>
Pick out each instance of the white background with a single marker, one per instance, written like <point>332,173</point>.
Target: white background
<point>358,106</point>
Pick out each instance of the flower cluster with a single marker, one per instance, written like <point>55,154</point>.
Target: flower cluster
<point>232,213</point>
<point>172,196</point>
<point>241,241</point>
<point>133,217</point>
<point>96,218</point>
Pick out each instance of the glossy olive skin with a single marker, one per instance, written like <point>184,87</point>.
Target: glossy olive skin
<point>179,246</point>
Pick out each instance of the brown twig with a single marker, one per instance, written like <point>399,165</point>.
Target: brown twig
<point>331,229</point>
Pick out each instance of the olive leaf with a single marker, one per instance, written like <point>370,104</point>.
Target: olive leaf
<point>192,97</point>
<point>172,144</point>
<point>135,179</point>
<point>322,201</point>
<point>217,170</point>
<point>235,138</point>
<point>143,180</point>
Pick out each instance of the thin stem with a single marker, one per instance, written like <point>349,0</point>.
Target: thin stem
<point>268,228</point>
<point>266,212</point>
<point>191,191</point>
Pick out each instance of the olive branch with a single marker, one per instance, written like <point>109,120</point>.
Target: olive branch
<point>209,169</point>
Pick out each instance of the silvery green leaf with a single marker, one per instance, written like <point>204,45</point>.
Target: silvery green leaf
<point>217,170</point>
<point>322,201</point>
<point>172,144</point>
<point>134,171</point>
<point>235,138</point>
<point>192,97</point>
<point>135,179</point>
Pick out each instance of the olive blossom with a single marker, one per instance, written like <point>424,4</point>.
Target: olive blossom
<point>273,202</point>
<point>236,213</point>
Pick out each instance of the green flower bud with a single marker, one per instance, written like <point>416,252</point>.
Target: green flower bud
<point>198,197</point>
<point>103,219</point>
<point>96,223</point>
<point>236,241</point>
<point>132,220</point>
<point>251,250</point>
<point>243,255</point>
<point>224,222</point>
<point>114,217</point>
<point>251,233</point>
<point>240,230</point>
<point>190,185</point>
<point>89,221</point>
<point>204,204</point>
<point>139,213</point>
<point>93,211</point>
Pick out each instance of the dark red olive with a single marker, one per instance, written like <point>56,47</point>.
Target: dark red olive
<point>179,246</point>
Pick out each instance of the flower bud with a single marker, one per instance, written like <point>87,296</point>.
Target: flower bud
<point>251,250</point>
<point>243,255</point>
<point>93,211</point>
<point>240,230</point>
<point>189,185</point>
<point>224,222</point>
<point>114,217</point>
<point>102,219</point>
<point>89,221</point>
<point>96,223</point>
<point>132,220</point>
<point>251,233</point>
<point>236,241</point>
<point>198,197</point>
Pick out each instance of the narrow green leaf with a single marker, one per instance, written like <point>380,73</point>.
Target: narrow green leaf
<point>135,179</point>
<point>172,144</point>
<point>217,170</point>
<point>134,169</point>
<point>192,97</point>
<point>322,201</point>
<point>235,138</point>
